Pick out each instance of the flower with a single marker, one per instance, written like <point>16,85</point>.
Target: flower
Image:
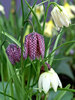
<point>70,10</point>
<point>13,53</point>
<point>49,28</point>
<point>61,18</point>
<point>2,9</point>
<point>49,80</point>
<point>34,46</point>
<point>39,10</point>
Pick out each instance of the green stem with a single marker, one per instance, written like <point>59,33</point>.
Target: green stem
<point>2,76</point>
<point>11,85</point>
<point>30,11</point>
<point>45,17</point>
<point>48,47</point>
<point>22,33</point>
<point>43,6</point>
<point>64,89</point>
<point>39,25</point>
<point>22,12</point>
<point>59,47</point>
<point>45,97</point>
<point>22,30</point>
<point>55,46</point>
<point>42,2</point>
<point>29,78</point>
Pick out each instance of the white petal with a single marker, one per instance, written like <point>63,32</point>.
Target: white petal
<point>54,82</point>
<point>46,83</point>
<point>57,77</point>
<point>59,83</point>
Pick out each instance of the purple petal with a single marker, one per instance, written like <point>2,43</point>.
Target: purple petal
<point>41,45</point>
<point>32,46</point>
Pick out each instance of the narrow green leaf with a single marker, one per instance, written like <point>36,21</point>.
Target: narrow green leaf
<point>12,38</point>
<point>7,95</point>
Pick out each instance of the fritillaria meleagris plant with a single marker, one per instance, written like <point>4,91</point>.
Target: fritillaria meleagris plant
<point>34,46</point>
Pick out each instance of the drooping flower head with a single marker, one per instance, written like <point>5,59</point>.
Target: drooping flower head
<point>34,46</point>
<point>13,53</point>
<point>61,18</point>
<point>49,80</point>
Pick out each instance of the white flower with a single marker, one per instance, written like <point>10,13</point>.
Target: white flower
<point>39,10</point>
<point>61,18</point>
<point>2,9</point>
<point>49,80</point>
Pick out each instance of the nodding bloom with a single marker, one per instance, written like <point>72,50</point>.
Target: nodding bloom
<point>49,80</point>
<point>2,9</point>
<point>34,46</point>
<point>13,53</point>
<point>61,18</point>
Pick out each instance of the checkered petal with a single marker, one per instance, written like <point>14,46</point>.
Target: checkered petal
<point>32,46</point>
<point>41,45</point>
<point>26,46</point>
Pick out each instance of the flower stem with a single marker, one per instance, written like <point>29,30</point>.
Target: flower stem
<point>45,17</point>
<point>2,76</point>
<point>55,46</point>
<point>39,25</point>
<point>45,97</point>
<point>22,12</point>
<point>22,31</point>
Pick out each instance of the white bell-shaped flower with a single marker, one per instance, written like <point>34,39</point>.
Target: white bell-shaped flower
<point>61,18</point>
<point>49,80</point>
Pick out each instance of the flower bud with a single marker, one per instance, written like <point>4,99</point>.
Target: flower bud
<point>34,46</point>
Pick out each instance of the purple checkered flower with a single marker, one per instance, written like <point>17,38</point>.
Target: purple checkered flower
<point>34,46</point>
<point>13,53</point>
